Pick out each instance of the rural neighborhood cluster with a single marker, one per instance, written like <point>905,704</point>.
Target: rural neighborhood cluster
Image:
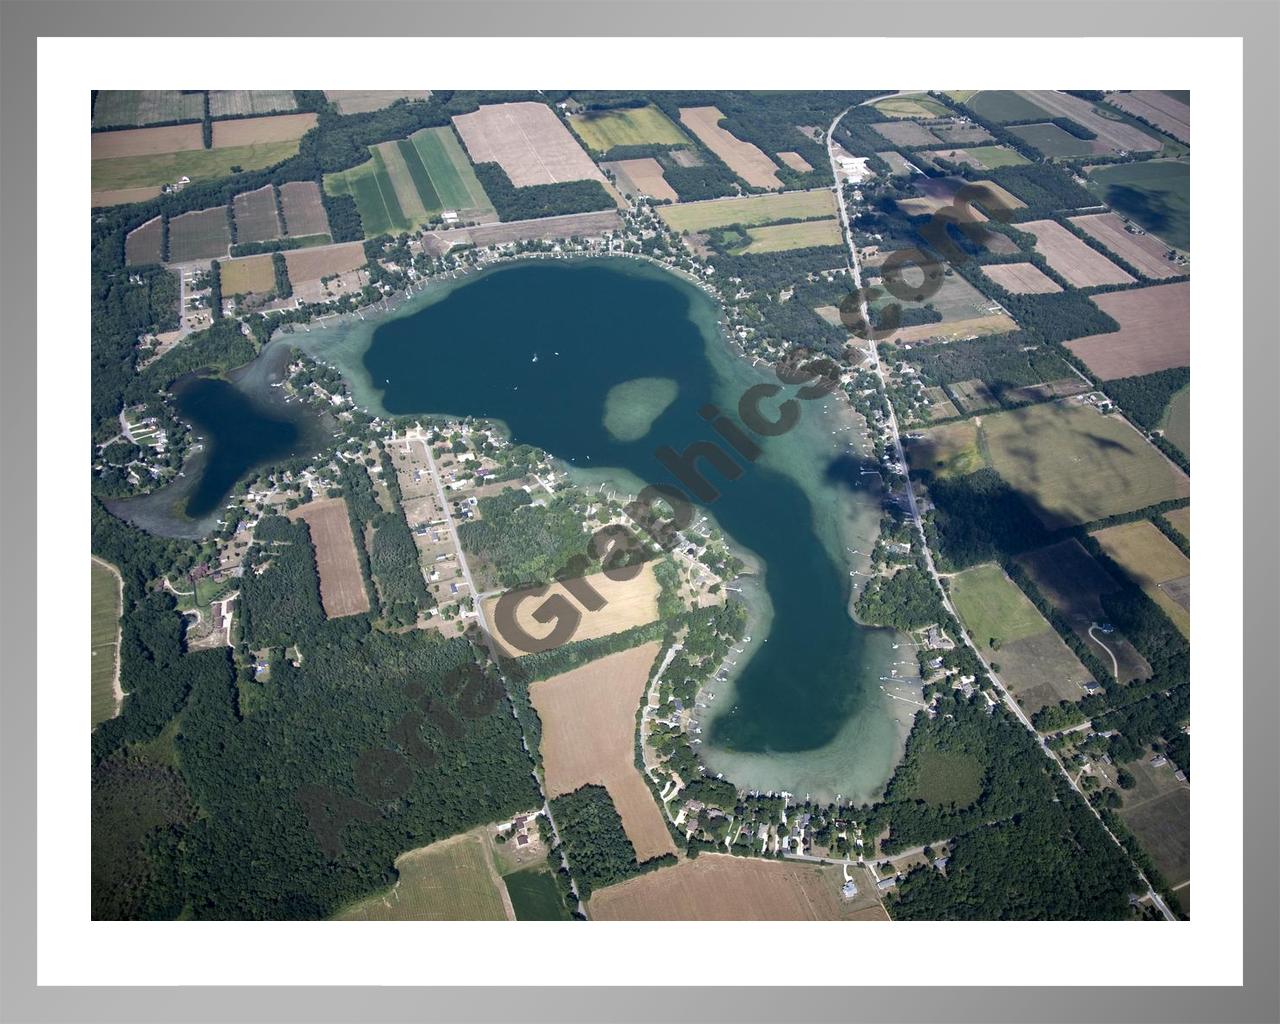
<point>318,690</point>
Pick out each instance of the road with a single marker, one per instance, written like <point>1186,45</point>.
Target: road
<point>1115,666</point>
<point>478,603</point>
<point>914,508</point>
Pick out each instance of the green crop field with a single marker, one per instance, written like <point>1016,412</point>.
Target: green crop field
<point>1001,105</point>
<point>104,625</point>
<point>197,164</point>
<point>1177,421</point>
<point>535,895</point>
<point>992,157</point>
<point>452,177</point>
<point>1155,193</point>
<point>749,210</point>
<point>421,179</point>
<point>918,105</point>
<point>451,880</point>
<point>375,197</point>
<point>804,235</point>
<point>1052,141</point>
<point>992,607</point>
<point>128,108</point>
<point>602,130</point>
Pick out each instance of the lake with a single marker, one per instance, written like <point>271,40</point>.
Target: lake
<point>601,362</point>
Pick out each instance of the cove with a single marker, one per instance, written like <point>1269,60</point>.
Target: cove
<point>540,345</point>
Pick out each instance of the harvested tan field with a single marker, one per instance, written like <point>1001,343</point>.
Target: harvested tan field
<point>588,736</point>
<point>906,133</point>
<point>643,176</point>
<point>248,131</point>
<point>145,243</point>
<point>1166,113</point>
<point>743,158</point>
<point>323,260</point>
<point>1070,257</point>
<point>341,585</point>
<point>721,887</point>
<point>1144,251</point>
<point>302,209</point>
<point>528,141</point>
<point>255,215</point>
<point>1021,278</point>
<point>796,162</point>
<point>147,141</point>
<point>1155,563</point>
<point>248,275</point>
<point>978,326</point>
<point>628,603</point>
<point>1155,332</point>
<point>120,196</point>
<point>361,101</point>
<point>586,225</point>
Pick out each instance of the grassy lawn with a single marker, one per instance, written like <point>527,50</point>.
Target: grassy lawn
<point>375,197</point>
<point>920,105</point>
<point>804,235</point>
<point>992,157</point>
<point>602,130</point>
<point>1001,105</point>
<point>749,210</point>
<point>1177,421</point>
<point>104,624</point>
<point>1155,563</point>
<point>993,607</point>
<point>451,880</point>
<point>197,164</point>
<point>1051,140</point>
<point>1155,193</point>
<point>451,173</point>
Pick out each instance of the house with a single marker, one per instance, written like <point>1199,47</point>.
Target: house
<point>885,884</point>
<point>1159,761</point>
<point>522,839</point>
<point>849,890</point>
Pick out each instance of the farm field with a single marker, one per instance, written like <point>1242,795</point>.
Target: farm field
<point>1118,134</point>
<point>1055,142</point>
<point>1155,193</point>
<point>1142,250</point>
<point>121,108</point>
<point>1168,114</point>
<point>255,214</point>
<point>749,211</point>
<point>602,130</point>
<point>1180,519</point>
<point>174,138</point>
<point>528,141</point>
<point>361,101</point>
<point>795,161</point>
<point>992,606</point>
<point>965,312</point>
<point>308,266</point>
<point>152,170</point>
<point>1155,332</point>
<point>369,185</point>
<point>1072,581</point>
<point>778,237</point>
<point>145,244</point>
<point>1155,564</point>
<point>905,133</point>
<point>628,603</point>
<point>414,195</point>
<point>452,880</point>
<point>1158,812</point>
<point>917,105</point>
<point>535,896</point>
<point>642,176</point>
<point>242,102</point>
<point>1070,463</point>
<point>584,224</point>
<point>1041,670</point>
<point>1001,105</point>
<point>588,736</point>
<point>104,640</point>
<point>1079,264</point>
<point>1177,421</point>
<point>897,162</point>
<point>248,275</point>
<point>721,887</point>
<point>342,589</point>
<point>302,209</point>
<point>956,134</point>
<point>452,177</point>
<point>746,160</point>
<point>120,196</point>
<point>199,235</point>
<point>1021,278</point>
<point>940,192</point>
<point>952,330</point>
<point>253,131</point>
<point>985,158</point>
<point>940,406</point>
<point>972,395</point>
